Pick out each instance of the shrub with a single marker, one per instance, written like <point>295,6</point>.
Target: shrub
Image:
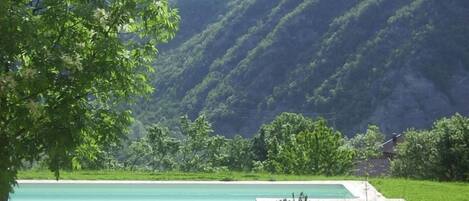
<point>440,153</point>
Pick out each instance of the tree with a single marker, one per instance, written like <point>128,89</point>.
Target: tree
<point>138,154</point>
<point>298,145</point>
<point>368,145</point>
<point>321,150</point>
<point>195,144</point>
<point>103,157</point>
<point>277,133</point>
<point>201,150</point>
<point>453,147</point>
<point>64,67</point>
<point>440,153</point>
<point>216,154</point>
<point>163,147</point>
<point>416,157</point>
<point>259,147</point>
<point>240,156</point>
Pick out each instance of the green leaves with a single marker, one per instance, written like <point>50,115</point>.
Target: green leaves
<point>163,148</point>
<point>200,150</point>
<point>440,153</point>
<point>416,156</point>
<point>368,144</point>
<point>294,144</point>
<point>65,70</point>
<point>239,154</point>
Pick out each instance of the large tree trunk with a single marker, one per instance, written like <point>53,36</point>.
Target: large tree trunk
<point>7,181</point>
<point>4,189</point>
<point>4,197</point>
<point>7,172</point>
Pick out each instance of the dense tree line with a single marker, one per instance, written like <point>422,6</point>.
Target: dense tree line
<point>197,148</point>
<point>291,144</point>
<point>294,144</point>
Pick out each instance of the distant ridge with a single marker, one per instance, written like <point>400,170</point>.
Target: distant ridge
<point>395,63</point>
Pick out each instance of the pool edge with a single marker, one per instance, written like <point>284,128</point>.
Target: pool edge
<point>359,189</point>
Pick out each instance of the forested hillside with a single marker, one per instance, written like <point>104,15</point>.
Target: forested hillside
<point>394,63</point>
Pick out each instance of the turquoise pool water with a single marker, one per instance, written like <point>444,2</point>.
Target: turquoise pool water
<point>172,192</point>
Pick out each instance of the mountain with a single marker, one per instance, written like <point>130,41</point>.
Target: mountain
<point>394,63</point>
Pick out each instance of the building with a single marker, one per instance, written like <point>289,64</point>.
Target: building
<point>389,147</point>
<point>382,165</point>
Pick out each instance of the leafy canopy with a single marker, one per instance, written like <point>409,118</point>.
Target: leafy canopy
<point>64,67</point>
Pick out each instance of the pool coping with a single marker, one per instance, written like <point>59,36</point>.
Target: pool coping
<point>359,189</point>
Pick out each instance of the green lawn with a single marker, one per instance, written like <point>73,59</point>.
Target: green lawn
<point>411,190</point>
<point>141,175</point>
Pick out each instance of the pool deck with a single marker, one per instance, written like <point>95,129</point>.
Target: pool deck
<point>360,189</point>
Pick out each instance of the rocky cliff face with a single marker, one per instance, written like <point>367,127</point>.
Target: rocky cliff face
<point>395,63</point>
<point>416,102</point>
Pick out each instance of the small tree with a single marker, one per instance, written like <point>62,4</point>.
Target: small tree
<point>200,150</point>
<point>163,147</point>
<point>195,143</point>
<point>216,154</point>
<point>322,151</point>
<point>368,146</point>
<point>138,153</point>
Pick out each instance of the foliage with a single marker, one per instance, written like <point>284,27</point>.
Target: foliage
<point>239,154</point>
<point>138,153</point>
<point>279,132</point>
<point>291,143</point>
<point>197,151</point>
<point>453,147</point>
<point>322,151</point>
<point>65,66</point>
<point>155,151</point>
<point>368,144</point>
<point>298,145</point>
<point>200,150</point>
<point>353,62</point>
<point>106,157</point>
<point>416,157</point>
<point>440,153</point>
<point>163,147</point>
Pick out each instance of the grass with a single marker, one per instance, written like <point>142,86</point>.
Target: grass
<point>144,175</point>
<point>411,190</point>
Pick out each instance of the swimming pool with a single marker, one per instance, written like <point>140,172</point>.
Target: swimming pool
<point>173,191</point>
